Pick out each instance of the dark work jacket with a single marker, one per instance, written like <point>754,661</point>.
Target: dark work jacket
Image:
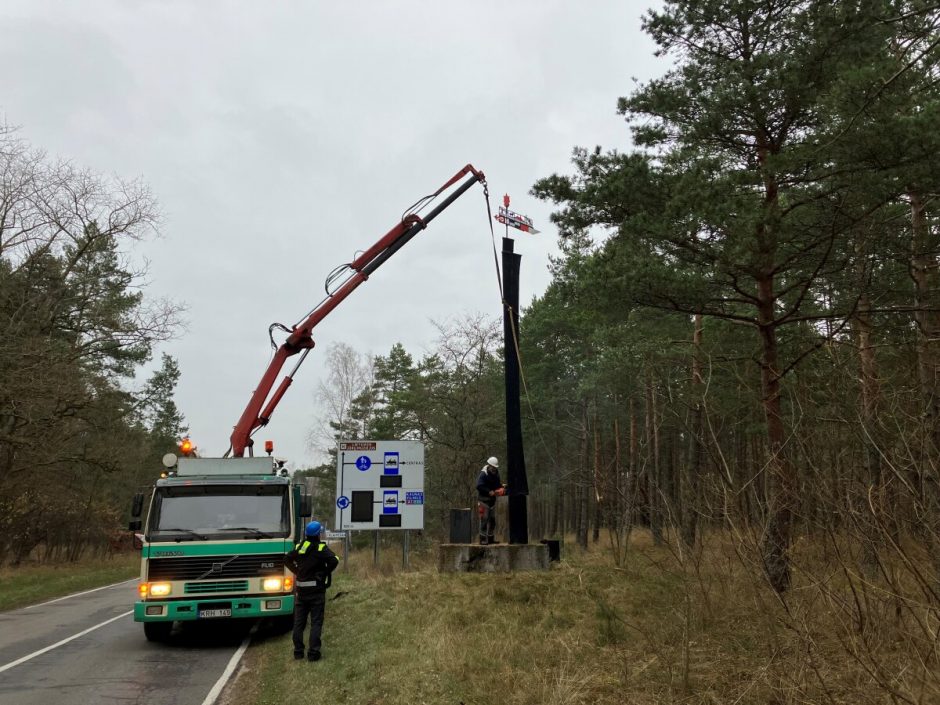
<point>488,482</point>
<point>311,561</point>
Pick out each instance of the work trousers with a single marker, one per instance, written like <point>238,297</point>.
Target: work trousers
<point>487,522</point>
<point>312,606</point>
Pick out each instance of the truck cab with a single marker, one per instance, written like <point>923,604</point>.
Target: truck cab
<point>214,543</point>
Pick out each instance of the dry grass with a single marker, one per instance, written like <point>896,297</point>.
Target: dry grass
<point>31,583</point>
<point>664,628</point>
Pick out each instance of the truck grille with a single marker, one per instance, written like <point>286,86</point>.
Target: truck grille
<point>222,586</point>
<point>215,567</point>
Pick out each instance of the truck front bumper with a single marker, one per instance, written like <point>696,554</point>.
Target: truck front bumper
<point>187,610</point>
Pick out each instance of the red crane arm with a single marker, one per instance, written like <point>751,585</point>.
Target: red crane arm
<point>300,338</point>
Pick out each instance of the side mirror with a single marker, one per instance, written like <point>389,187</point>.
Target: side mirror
<point>138,506</point>
<point>306,505</point>
<point>134,525</point>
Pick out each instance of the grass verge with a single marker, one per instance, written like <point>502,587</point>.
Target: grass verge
<point>660,628</point>
<point>580,633</point>
<point>29,584</point>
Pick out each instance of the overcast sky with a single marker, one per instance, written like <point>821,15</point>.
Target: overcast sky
<point>281,137</point>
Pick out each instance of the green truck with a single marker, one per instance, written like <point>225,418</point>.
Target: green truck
<point>214,542</point>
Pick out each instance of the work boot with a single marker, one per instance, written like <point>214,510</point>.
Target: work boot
<point>313,655</point>
<point>298,654</point>
<point>482,540</point>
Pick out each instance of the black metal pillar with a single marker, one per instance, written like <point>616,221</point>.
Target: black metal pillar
<point>515,461</point>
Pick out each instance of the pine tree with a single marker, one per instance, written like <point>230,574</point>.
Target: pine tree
<point>733,205</point>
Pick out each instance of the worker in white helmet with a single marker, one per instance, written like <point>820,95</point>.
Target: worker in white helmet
<point>489,487</point>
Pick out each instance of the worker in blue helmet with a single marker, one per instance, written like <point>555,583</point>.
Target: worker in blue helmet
<point>312,562</point>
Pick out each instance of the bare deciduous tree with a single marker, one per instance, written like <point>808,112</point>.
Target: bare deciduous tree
<point>74,326</point>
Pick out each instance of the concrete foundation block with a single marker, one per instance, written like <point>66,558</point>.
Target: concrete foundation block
<point>499,558</point>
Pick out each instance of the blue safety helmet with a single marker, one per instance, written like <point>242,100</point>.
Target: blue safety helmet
<point>313,528</point>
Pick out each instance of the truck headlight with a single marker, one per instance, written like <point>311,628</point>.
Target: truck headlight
<point>272,584</point>
<point>160,589</point>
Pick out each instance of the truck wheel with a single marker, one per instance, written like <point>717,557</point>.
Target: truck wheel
<point>157,631</point>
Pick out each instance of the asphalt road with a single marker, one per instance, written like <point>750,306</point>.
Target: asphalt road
<point>111,662</point>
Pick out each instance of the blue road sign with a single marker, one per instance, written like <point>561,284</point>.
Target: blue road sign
<point>390,502</point>
<point>363,463</point>
<point>342,502</point>
<point>391,465</point>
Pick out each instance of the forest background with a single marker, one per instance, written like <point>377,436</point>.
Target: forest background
<point>739,352</point>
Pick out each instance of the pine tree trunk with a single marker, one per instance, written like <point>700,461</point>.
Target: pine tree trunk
<point>633,466</point>
<point>584,482</point>
<point>926,276</point>
<point>572,503</point>
<point>616,503</point>
<point>556,525</point>
<point>620,521</point>
<point>558,516</point>
<point>600,491</point>
<point>668,481</point>
<point>654,490</point>
<point>868,376</point>
<point>747,492</point>
<point>690,499</point>
<point>783,481</point>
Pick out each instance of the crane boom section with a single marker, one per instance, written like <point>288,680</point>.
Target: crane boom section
<point>300,339</point>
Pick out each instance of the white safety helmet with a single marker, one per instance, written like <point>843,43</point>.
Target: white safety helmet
<point>493,461</point>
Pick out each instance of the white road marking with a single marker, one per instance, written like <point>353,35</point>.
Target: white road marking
<point>60,643</point>
<point>229,669</point>
<point>76,594</point>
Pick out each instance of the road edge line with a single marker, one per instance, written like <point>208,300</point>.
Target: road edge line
<point>220,684</point>
<point>60,643</point>
<point>84,592</point>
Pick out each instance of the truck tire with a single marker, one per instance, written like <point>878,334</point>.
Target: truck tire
<point>157,631</point>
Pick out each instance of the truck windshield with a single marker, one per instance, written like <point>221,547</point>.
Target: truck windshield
<point>197,512</point>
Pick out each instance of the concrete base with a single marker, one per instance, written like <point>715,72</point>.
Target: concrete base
<point>498,558</point>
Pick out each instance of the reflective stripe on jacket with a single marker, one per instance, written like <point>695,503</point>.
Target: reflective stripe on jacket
<point>301,548</point>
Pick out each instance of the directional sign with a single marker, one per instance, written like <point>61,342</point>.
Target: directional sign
<point>516,220</point>
<point>379,485</point>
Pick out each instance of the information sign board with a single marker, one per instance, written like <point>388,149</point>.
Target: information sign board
<point>379,485</point>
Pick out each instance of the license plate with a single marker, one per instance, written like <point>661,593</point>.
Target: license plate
<point>206,614</point>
